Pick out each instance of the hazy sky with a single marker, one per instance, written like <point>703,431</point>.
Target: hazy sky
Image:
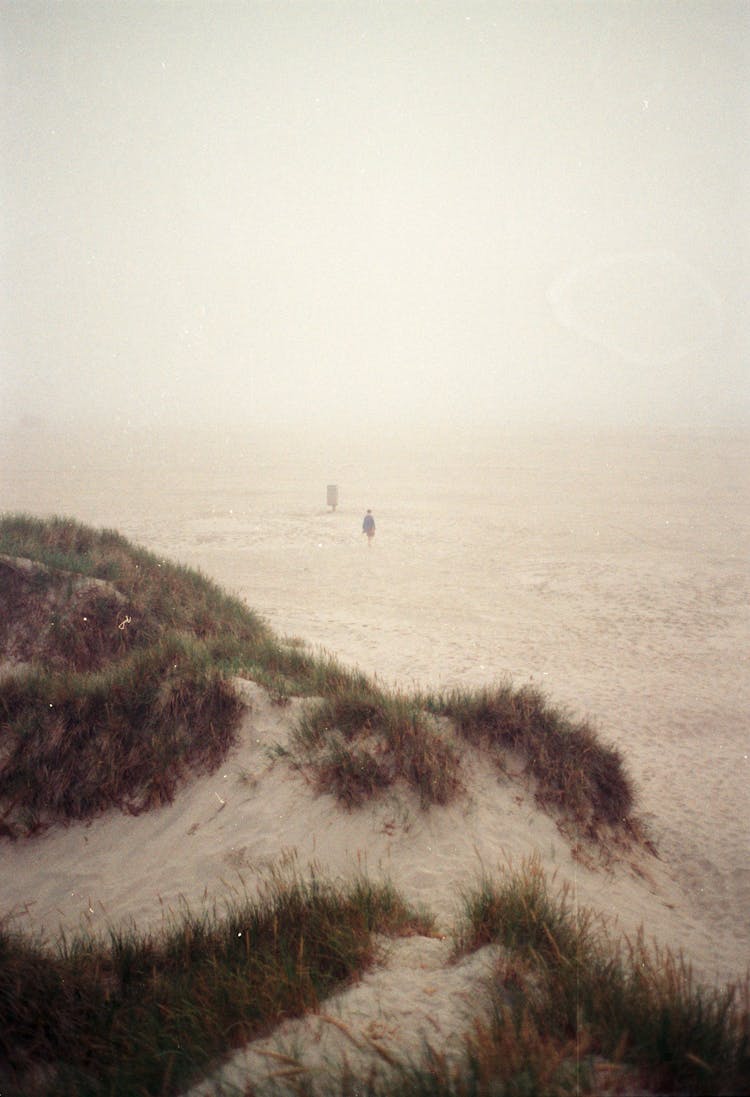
<point>374,212</point>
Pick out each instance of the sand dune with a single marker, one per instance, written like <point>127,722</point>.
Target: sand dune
<point>612,574</point>
<point>225,833</point>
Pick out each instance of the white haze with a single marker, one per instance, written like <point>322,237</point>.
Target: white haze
<point>375,214</point>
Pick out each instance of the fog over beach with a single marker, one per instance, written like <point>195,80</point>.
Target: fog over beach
<point>483,266</point>
<point>375,214</point>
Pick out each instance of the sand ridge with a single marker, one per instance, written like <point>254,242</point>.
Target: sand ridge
<point>224,834</point>
<point>610,570</point>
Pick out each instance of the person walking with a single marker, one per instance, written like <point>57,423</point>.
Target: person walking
<point>368,527</point>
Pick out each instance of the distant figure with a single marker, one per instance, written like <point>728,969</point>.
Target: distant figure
<point>368,527</point>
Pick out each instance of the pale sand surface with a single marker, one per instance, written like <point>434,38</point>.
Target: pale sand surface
<point>611,571</point>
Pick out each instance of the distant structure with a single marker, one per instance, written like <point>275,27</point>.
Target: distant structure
<point>332,495</point>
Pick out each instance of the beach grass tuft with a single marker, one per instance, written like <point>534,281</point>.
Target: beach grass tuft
<point>116,681</point>
<point>623,1004</point>
<point>575,773</point>
<point>76,744</point>
<point>360,739</point>
<point>151,1013</point>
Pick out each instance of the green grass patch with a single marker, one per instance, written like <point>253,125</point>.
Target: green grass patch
<point>361,739</point>
<point>623,1003</point>
<point>157,596</point>
<point>150,1014</point>
<point>575,773</point>
<point>287,670</point>
<point>575,1012</point>
<point>121,686</point>
<point>76,744</point>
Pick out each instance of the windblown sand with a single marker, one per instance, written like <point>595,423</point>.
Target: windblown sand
<point>610,571</point>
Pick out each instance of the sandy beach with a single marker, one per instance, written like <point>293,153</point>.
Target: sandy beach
<point>610,570</point>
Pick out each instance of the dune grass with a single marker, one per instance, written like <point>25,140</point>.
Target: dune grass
<point>575,773</point>
<point>126,691</point>
<point>157,595</point>
<point>361,739</point>
<point>122,688</point>
<point>151,1013</point>
<point>625,1008</point>
<point>75,744</point>
<point>574,1012</point>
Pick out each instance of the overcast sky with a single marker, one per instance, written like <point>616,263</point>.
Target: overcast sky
<point>380,211</point>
